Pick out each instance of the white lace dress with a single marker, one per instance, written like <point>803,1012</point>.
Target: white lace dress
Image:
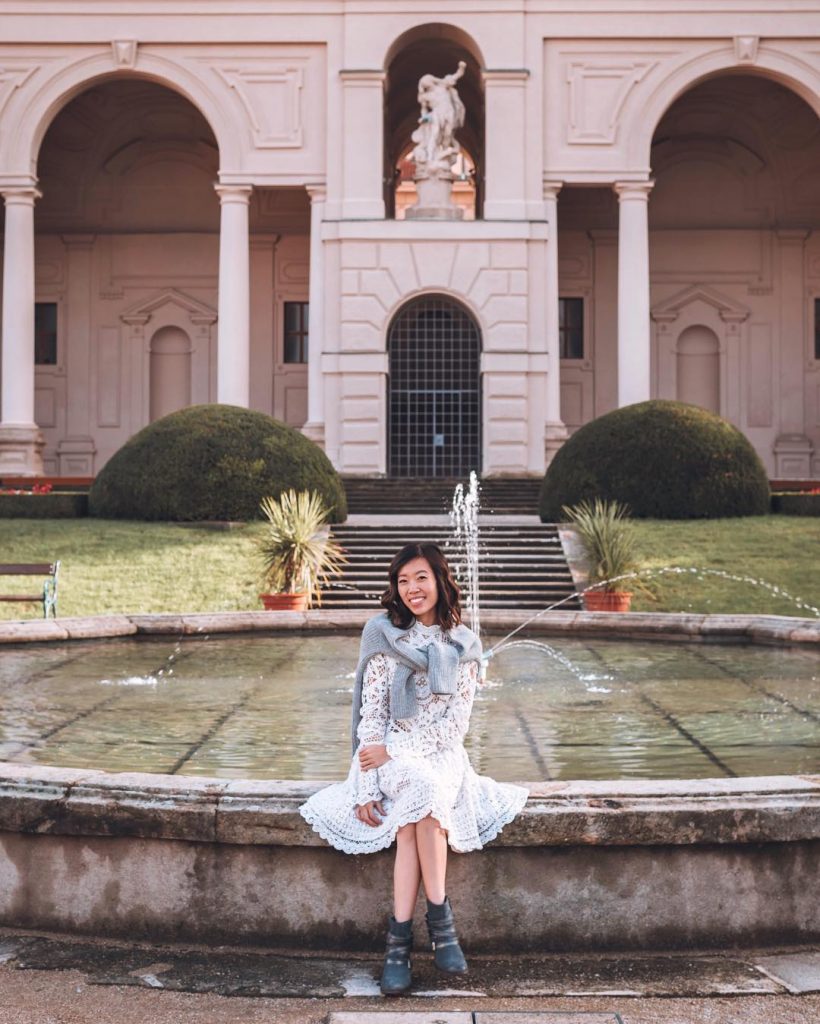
<point>428,771</point>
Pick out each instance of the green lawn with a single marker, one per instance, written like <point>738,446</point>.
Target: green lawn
<point>112,566</point>
<point>783,551</point>
<point>117,566</point>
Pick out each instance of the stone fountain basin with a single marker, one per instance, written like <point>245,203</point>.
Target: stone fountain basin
<point>587,865</point>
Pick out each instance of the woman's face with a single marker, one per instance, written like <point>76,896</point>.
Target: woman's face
<point>418,590</point>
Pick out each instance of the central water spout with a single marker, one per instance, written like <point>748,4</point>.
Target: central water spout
<point>464,521</point>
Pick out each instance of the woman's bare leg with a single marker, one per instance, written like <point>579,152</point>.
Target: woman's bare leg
<point>406,874</point>
<point>431,843</point>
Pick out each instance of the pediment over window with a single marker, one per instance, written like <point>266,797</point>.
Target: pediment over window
<point>197,312</point>
<point>727,309</point>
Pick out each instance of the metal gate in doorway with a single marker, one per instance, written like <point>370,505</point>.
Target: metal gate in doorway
<point>434,391</point>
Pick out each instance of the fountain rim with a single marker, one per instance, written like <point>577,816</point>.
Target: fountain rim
<point>45,800</point>
<point>777,630</point>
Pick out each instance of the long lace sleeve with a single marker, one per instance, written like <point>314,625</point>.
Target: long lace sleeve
<point>375,716</point>
<point>451,726</point>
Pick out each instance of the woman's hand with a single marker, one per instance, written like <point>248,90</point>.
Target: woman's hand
<point>373,756</point>
<point>367,812</point>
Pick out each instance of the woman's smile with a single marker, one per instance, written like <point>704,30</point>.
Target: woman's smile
<point>418,590</point>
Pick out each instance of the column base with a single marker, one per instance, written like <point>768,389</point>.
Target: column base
<point>21,449</point>
<point>555,434</point>
<point>792,457</point>
<point>315,432</point>
<point>75,456</point>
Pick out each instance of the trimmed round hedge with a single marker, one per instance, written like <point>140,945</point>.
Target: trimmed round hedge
<point>212,462</point>
<point>665,460</point>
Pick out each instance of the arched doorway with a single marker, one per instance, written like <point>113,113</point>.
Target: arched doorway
<point>434,390</point>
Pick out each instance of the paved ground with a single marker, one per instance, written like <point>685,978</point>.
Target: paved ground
<point>52,980</point>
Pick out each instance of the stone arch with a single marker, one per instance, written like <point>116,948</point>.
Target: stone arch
<point>782,68</point>
<point>128,155</point>
<point>434,388</point>
<point>169,387</point>
<point>433,48</point>
<point>34,113</point>
<point>434,30</point>
<point>465,301</point>
<point>697,353</point>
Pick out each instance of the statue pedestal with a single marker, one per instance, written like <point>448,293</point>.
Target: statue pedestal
<point>435,201</point>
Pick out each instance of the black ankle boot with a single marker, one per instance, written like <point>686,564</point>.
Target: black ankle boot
<point>440,924</point>
<point>396,976</point>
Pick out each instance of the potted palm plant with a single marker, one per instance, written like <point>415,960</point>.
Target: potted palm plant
<point>608,540</point>
<point>298,553</point>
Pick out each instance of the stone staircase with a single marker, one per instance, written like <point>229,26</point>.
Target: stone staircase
<point>521,566</point>
<point>385,496</point>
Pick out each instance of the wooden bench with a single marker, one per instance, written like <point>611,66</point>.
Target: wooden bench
<point>48,597</point>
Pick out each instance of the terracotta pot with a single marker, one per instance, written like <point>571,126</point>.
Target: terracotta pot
<point>284,602</point>
<point>607,600</point>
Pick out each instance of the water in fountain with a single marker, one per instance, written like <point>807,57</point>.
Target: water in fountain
<point>163,673</point>
<point>464,522</point>
<point>550,651</point>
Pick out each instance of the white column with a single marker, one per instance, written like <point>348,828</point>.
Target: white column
<point>315,426</point>
<point>75,452</point>
<point>793,448</point>
<point>21,443</point>
<point>634,331</point>
<point>233,330</point>
<point>555,433</point>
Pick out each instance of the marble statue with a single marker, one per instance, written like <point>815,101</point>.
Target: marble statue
<point>442,112</point>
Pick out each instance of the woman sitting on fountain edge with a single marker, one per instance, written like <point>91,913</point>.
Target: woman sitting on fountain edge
<point>410,778</point>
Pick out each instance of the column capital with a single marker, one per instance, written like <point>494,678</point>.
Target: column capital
<point>234,193</point>
<point>317,193</point>
<point>20,195</point>
<point>633,190</point>
<point>505,76</point>
<point>363,76</point>
<point>552,188</point>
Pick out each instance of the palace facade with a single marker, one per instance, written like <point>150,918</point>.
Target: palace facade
<point>208,203</point>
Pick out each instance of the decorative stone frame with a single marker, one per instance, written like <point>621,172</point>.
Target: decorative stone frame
<point>168,308</point>
<point>723,316</point>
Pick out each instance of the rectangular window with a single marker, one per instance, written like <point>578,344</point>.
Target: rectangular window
<point>571,328</point>
<point>817,328</point>
<point>45,333</point>
<point>296,332</point>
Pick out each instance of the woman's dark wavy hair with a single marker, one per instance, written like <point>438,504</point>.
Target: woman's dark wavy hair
<point>448,606</point>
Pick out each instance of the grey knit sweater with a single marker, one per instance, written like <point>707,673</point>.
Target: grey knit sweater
<point>439,662</point>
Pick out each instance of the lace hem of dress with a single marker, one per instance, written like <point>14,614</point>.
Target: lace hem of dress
<point>382,840</point>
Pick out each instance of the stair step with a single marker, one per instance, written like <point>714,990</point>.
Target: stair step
<point>521,566</point>
<point>393,496</point>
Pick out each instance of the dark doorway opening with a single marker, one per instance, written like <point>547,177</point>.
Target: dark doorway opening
<point>434,397</point>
